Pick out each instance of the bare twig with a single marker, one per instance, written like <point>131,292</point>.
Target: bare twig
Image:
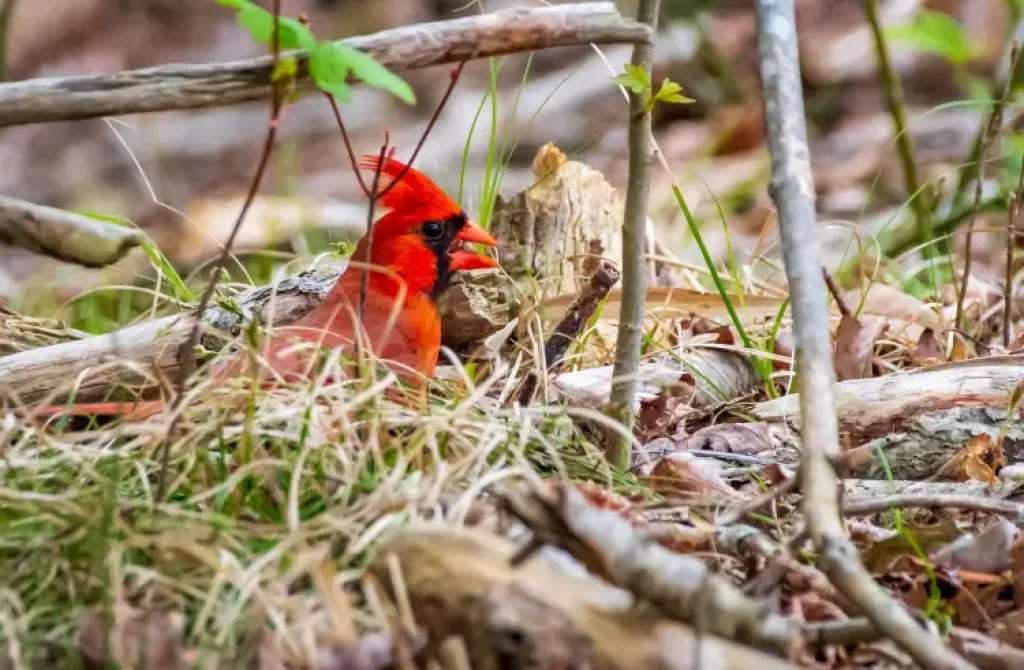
<point>904,140</point>
<point>936,501</point>
<point>756,503</point>
<point>969,167</point>
<point>364,286</point>
<point>188,354</point>
<point>456,73</point>
<point>679,586</point>
<point>1011,246</point>
<point>634,278</point>
<point>792,190</point>
<point>837,294</point>
<point>6,14</point>
<point>569,328</point>
<point>173,87</point>
<point>64,235</point>
<point>348,146</point>
<point>988,136</point>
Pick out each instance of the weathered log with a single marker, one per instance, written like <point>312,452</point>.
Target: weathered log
<point>157,345</point>
<point>63,235</point>
<point>172,87</point>
<point>459,583</point>
<point>921,418</point>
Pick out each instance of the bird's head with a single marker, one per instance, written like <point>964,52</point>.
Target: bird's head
<point>422,239</point>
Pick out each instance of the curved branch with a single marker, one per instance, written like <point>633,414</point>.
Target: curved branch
<point>176,87</point>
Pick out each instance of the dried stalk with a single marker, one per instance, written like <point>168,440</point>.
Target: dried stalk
<point>904,140</point>
<point>175,87</point>
<point>1011,245</point>
<point>569,328</point>
<point>6,14</point>
<point>988,136</point>
<point>792,190</point>
<point>188,354</point>
<point>634,279</point>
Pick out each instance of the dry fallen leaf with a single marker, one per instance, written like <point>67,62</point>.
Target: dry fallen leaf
<point>979,460</point>
<point>855,347</point>
<point>684,473</point>
<point>928,352</point>
<point>659,416</point>
<point>882,556</point>
<point>987,552</point>
<point>734,438</point>
<point>142,639</point>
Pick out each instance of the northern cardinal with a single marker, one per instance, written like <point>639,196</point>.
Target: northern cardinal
<point>415,249</point>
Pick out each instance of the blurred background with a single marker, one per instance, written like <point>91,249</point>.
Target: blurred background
<point>181,176</point>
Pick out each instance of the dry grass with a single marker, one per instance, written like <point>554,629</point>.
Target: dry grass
<point>261,497</point>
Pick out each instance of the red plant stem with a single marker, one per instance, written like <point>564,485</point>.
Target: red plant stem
<point>364,286</point>
<point>188,357</point>
<point>348,146</point>
<point>456,73</point>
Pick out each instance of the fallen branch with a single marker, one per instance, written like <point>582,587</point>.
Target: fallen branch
<point>682,587</point>
<point>459,583</point>
<point>64,235</point>
<point>175,87</point>
<point>920,418</point>
<point>968,503</point>
<point>572,324</point>
<point>157,344</point>
<point>792,189</point>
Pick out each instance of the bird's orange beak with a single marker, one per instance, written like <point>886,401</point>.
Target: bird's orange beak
<point>461,259</point>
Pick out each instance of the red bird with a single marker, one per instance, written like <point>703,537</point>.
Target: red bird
<point>415,249</point>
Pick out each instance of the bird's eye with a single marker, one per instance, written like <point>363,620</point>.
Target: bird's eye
<point>432,230</point>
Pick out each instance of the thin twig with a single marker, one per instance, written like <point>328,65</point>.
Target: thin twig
<point>837,294</point>
<point>348,146</point>
<point>456,73</point>
<point>750,506</point>
<point>904,140</point>
<point>792,190</point>
<point>969,167</point>
<point>188,354</point>
<point>634,276</point>
<point>6,14</point>
<point>992,127</point>
<point>1011,245</point>
<point>935,501</point>
<point>572,324</point>
<point>176,87</point>
<point>364,286</point>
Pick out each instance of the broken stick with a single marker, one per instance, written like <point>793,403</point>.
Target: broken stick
<point>572,324</point>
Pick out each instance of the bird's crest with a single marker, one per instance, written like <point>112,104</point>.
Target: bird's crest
<point>414,193</point>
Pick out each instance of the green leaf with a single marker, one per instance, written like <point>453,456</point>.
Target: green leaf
<point>672,92</point>
<point>329,69</point>
<point>328,64</point>
<point>260,24</point>
<point>936,33</point>
<point>639,74</point>
<point>634,78</point>
<point>367,68</point>
<point>341,91</point>
<point>285,70</point>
